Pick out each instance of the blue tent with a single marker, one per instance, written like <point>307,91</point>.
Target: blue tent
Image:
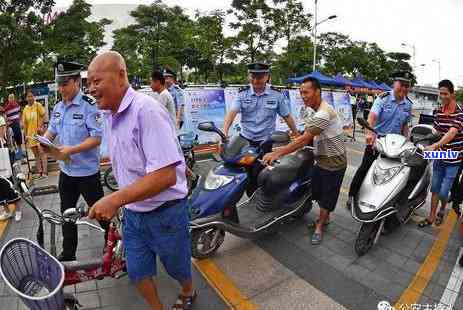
<point>324,80</point>
<point>376,85</point>
<point>361,82</point>
<point>385,86</point>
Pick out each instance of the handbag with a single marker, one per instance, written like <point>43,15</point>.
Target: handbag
<point>5,163</point>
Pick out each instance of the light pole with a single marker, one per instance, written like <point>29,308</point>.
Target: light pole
<point>315,34</point>
<point>438,65</point>
<point>412,46</point>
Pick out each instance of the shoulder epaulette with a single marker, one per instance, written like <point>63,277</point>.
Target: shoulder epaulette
<point>88,99</point>
<point>244,88</point>
<point>384,95</point>
<point>275,89</point>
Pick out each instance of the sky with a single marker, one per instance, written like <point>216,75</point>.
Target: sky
<point>432,27</point>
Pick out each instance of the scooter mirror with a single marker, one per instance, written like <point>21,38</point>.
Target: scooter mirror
<point>207,126</point>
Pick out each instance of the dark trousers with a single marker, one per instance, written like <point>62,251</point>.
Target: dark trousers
<point>70,189</point>
<point>369,156</point>
<point>17,135</point>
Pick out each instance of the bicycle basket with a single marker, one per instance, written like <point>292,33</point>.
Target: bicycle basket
<point>33,274</point>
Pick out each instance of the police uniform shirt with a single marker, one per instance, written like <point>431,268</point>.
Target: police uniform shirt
<point>391,115</point>
<point>259,112</point>
<point>177,94</point>
<point>73,123</point>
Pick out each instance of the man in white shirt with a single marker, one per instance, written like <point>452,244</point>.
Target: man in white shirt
<point>158,86</point>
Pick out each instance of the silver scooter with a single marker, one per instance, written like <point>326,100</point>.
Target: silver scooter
<point>387,196</point>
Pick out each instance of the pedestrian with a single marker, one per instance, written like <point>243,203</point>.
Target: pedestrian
<point>389,114</point>
<point>259,104</point>
<point>33,117</point>
<point>448,120</point>
<point>324,128</point>
<point>76,123</point>
<point>177,94</point>
<point>152,181</point>
<point>158,85</point>
<point>8,195</point>
<point>12,111</point>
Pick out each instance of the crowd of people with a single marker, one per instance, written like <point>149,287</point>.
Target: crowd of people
<point>152,179</point>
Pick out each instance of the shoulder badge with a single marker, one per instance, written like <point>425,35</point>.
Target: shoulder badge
<point>88,99</point>
<point>275,89</point>
<point>384,95</point>
<point>244,88</point>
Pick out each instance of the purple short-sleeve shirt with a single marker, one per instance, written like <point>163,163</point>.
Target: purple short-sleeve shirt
<point>142,139</point>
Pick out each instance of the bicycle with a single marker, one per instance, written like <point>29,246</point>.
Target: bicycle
<point>24,256</point>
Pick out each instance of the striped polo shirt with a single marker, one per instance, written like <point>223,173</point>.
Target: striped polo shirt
<point>443,123</point>
<point>12,110</point>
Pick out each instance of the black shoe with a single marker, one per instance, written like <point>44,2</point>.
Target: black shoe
<point>460,261</point>
<point>66,258</point>
<point>456,208</point>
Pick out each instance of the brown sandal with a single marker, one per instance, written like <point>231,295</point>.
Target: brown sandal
<point>185,302</point>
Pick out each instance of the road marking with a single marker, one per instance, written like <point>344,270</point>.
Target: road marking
<point>414,291</point>
<point>4,224</point>
<point>226,289</point>
<point>453,286</point>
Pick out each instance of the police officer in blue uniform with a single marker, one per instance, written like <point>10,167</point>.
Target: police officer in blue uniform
<point>390,113</point>
<point>259,105</point>
<point>177,95</point>
<point>76,124</point>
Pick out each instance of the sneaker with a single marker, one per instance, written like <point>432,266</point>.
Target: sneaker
<point>18,215</point>
<point>4,215</point>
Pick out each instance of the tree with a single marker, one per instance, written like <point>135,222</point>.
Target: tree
<point>72,37</point>
<point>459,95</point>
<point>289,21</point>
<point>296,60</point>
<point>255,37</point>
<point>159,37</point>
<point>21,28</point>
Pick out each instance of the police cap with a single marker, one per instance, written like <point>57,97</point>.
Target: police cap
<point>258,67</point>
<point>404,76</point>
<point>168,72</point>
<point>66,70</point>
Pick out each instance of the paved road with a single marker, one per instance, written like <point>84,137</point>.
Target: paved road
<point>284,271</point>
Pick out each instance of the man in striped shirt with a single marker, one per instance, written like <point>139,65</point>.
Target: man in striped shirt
<point>448,120</point>
<point>324,128</point>
<point>12,111</point>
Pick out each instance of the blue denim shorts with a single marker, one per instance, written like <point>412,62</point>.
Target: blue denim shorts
<point>443,176</point>
<point>162,233</point>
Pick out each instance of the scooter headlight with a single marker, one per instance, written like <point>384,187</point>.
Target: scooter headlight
<point>215,181</point>
<point>381,176</point>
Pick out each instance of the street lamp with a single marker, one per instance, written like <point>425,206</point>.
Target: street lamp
<point>315,34</point>
<point>438,64</point>
<point>412,46</point>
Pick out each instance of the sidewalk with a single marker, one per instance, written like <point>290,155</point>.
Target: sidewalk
<point>104,294</point>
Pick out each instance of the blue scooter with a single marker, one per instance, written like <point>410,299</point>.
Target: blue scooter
<point>283,193</point>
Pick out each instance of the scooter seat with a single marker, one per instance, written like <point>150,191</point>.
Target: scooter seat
<point>281,175</point>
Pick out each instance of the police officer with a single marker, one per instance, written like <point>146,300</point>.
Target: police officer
<point>259,105</point>
<point>390,113</point>
<point>75,122</point>
<point>177,94</point>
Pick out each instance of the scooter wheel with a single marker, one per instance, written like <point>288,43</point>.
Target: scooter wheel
<point>205,242</point>
<point>110,180</point>
<point>366,237</point>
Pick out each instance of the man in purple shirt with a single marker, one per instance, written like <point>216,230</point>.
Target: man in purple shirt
<point>149,167</point>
